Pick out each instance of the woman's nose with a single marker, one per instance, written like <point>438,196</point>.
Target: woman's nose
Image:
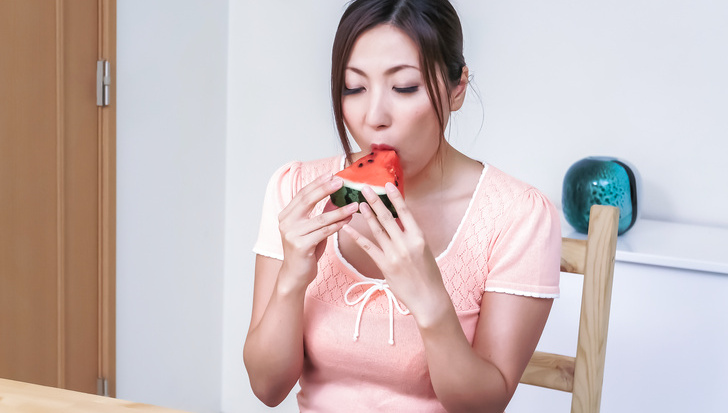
<point>379,115</point>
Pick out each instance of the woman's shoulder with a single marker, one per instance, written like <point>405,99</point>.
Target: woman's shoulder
<point>505,184</point>
<point>504,191</point>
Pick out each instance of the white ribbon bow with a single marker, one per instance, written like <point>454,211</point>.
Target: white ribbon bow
<point>376,285</point>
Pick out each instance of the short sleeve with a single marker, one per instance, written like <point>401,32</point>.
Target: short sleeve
<point>525,253</point>
<point>279,192</point>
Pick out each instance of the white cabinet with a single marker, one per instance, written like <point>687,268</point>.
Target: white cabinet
<point>667,349</point>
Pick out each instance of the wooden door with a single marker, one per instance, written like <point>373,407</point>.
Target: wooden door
<point>57,194</point>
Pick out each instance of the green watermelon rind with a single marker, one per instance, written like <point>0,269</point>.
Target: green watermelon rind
<point>346,195</point>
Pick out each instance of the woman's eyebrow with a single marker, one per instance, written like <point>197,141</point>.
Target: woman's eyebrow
<point>391,70</point>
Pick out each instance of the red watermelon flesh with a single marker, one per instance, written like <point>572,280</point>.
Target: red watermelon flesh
<point>377,168</point>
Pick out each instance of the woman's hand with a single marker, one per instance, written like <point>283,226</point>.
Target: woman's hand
<point>403,256</point>
<point>304,236</point>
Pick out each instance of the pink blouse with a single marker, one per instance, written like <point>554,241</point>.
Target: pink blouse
<point>363,351</point>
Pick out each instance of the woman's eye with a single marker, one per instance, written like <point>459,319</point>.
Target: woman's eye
<point>352,91</point>
<point>411,89</point>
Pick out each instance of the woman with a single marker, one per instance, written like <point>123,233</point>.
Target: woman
<point>446,303</point>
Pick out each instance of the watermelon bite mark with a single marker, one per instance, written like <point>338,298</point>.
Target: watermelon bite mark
<point>373,170</point>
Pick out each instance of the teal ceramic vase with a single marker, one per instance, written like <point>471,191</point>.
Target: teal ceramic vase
<point>600,181</point>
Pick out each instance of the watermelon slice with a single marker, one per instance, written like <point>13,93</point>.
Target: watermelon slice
<point>373,170</point>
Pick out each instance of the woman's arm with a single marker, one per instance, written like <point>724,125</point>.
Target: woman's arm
<point>273,351</point>
<point>483,378</point>
<point>477,378</point>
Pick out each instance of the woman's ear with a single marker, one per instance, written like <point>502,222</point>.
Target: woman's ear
<point>458,94</point>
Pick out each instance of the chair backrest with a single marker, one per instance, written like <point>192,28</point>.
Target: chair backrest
<point>594,258</point>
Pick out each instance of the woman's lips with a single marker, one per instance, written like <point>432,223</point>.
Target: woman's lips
<point>383,147</point>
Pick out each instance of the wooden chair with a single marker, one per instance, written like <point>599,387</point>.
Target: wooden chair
<point>582,375</point>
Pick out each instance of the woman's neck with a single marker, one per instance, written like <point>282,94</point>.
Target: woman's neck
<point>442,175</point>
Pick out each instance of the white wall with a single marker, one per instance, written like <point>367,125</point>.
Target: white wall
<point>171,82</point>
<point>278,110</point>
<point>210,103</point>
<point>637,79</point>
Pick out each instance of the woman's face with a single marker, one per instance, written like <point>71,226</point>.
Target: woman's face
<point>385,99</point>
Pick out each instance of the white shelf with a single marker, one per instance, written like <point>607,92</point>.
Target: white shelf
<point>668,244</point>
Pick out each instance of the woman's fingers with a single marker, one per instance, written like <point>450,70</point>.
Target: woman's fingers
<point>311,194</point>
<point>379,233</point>
<point>383,215</point>
<point>315,237</point>
<point>365,244</point>
<point>405,217</point>
<point>306,235</point>
<point>331,217</point>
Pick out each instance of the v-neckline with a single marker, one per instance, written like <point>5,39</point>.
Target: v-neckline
<point>440,256</point>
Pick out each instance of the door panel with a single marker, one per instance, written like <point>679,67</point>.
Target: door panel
<point>56,221</point>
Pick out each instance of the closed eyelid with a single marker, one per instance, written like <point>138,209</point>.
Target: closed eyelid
<point>351,91</point>
<point>406,90</point>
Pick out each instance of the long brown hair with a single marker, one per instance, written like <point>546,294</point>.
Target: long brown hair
<point>432,24</point>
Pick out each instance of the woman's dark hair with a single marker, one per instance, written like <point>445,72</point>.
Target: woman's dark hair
<point>432,24</point>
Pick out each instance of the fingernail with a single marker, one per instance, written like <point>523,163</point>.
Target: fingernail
<point>365,209</point>
<point>337,182</point>
<point>389,187</point>
<point>352,207</point>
